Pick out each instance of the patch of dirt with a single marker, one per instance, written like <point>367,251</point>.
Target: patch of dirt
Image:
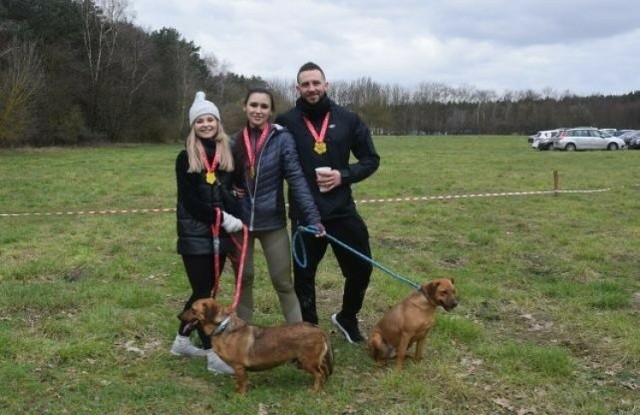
<point>452,263</point>
<point>635,303</point>
<point>76,274</point>
<point>398,243</point>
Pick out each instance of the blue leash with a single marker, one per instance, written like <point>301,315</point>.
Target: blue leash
<point>297,241</point>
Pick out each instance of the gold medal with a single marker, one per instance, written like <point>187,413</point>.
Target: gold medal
<point>252,172</point>
<point>210,176</point>
<point>320,147</point>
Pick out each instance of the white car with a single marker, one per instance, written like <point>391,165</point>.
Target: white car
<point>546,139</point>
<point>540,135</point>
<point>587,138</point>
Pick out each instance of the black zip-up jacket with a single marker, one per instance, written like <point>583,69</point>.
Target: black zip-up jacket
<point>263,208</point>
<point>197,201</point>
<point>346,134</point>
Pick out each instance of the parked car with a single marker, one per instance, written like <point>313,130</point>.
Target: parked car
<point>539,135</point>
<point>546,143</point>
<point>634,140</point>
<point>609,131</point>
<point>626,137</point>
<point>587,138</point>
<point>618,133</point>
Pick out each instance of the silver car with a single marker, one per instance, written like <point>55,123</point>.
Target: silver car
<point>587,138</point>
<point>634,140</point>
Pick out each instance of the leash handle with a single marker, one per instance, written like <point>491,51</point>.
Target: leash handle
<point>297,240</point>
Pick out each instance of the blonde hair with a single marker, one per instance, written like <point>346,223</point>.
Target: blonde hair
<point>223,149</point>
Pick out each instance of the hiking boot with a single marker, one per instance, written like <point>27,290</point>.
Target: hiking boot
<point>348,327</point>
<point>182,347</point>
<point>217,365</point>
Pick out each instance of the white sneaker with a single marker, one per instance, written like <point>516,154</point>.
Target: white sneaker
<point>217,365</point>
<point>182,347</point>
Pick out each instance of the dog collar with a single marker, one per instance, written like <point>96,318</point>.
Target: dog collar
<point>222,326</point>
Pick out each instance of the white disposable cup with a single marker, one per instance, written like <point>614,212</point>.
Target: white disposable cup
<point>322,169</point>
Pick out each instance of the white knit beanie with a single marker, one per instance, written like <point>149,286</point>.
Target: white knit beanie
<point>201,106</point>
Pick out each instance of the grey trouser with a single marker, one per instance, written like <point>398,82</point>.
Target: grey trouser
<point>277,251</point>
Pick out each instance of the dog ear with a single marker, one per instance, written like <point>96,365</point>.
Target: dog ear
<point>432,287</point>
<point>209,312</point>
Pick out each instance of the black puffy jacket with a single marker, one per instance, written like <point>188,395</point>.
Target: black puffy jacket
<point>264,207</point>
<point>197,201</point>
<point>346,134</point>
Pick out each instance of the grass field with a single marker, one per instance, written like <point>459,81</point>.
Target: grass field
<point>549,286</point>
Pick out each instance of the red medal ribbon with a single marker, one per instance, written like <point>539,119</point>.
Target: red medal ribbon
<point>211,167</point>
<point>251,153</point>
<point>319,138</point>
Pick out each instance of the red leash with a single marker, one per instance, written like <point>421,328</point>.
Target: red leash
<point>215,233</point>
<point>239,263</point>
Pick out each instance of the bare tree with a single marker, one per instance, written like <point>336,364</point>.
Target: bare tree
<point>182,60</point>
<point>101,21</point>
<point>218,69</point>
<point>133,57</point>
<point>21,77</point>
<point>284,88</point>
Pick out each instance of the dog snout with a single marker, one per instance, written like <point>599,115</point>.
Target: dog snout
<point>451,304</point>
<point>182,316</point>
<point>187,315</point>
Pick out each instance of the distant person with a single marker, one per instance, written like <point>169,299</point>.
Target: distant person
<point>204,176</point>
<point>265,156</point>
<point>326,135</point>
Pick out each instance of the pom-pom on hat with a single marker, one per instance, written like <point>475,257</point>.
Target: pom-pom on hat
<point>201,106</point>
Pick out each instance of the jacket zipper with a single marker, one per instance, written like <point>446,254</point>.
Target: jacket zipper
<point>255,188</point>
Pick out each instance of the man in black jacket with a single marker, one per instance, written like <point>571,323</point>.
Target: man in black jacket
<point>326,135</point>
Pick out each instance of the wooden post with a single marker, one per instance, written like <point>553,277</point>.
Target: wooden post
<point>556,181</point>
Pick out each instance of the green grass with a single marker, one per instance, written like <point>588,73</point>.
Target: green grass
<point>549,286</point>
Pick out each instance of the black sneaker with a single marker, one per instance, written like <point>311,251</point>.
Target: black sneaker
<point>348,327</point>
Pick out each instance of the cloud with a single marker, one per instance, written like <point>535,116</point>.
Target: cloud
<point>585,46</point>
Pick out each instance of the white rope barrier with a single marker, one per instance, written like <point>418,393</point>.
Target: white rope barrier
<point>387,200</point>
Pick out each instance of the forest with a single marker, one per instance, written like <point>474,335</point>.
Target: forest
<point>81,72</point>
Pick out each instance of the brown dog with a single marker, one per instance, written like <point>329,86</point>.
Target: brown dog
<point>246,347</point>
<point>410,321</point>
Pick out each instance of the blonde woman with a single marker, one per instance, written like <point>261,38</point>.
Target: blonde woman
<point>204,175</point>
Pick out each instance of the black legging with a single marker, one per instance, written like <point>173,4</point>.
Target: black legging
<point>200,273</point>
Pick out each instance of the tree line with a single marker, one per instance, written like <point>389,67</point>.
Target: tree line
<point>78,72</point>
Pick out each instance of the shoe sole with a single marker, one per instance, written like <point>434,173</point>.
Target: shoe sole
<point>226,372</point>
<point>334,320</point>
<point>204,354</point>
<point>219,372</point>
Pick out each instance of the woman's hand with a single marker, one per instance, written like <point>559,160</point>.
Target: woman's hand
<point>230,223</point>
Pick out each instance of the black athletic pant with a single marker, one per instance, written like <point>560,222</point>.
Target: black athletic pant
<point>352,231</point>
<point>200,271</point>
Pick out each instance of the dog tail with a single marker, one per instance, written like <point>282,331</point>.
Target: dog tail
<point>327,359</point>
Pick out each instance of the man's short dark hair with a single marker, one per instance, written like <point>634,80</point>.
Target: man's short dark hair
<point>310,66</point>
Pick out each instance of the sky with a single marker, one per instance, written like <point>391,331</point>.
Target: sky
<point>582,46</point>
